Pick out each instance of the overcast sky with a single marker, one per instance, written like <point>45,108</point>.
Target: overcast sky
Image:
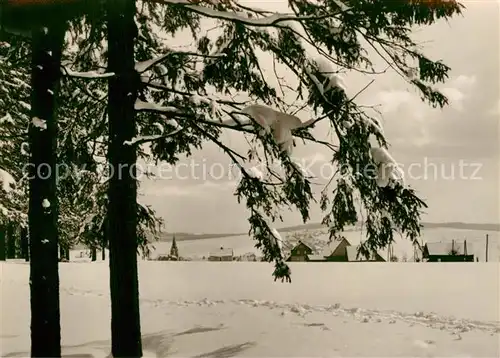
<point>464,135</point>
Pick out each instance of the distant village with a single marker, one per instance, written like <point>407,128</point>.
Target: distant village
<point>338,251</point>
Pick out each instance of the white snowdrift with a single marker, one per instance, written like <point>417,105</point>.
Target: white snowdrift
<point>235,309</point>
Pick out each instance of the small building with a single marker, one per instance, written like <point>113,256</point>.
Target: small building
<point>249,257</point>
<point>447,252</point>
<point>353,256</point>
<point>221,255</point>
<point>336,250</point>
<point>300,252</point>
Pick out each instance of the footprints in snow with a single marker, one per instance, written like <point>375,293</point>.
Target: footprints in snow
<point>453,325</point>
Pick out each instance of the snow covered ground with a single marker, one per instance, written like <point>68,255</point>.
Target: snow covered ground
<point>208,309</point>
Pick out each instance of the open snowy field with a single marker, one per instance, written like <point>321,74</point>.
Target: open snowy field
<point>207,309</point>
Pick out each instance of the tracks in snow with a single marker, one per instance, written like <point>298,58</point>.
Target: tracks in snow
<point>453,325</point>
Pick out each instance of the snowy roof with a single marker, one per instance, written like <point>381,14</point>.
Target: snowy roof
<point>301,243</point>
<point>332,246</point>
<point>445,248</point>
<point>352,254</point>
<point>221,253</point>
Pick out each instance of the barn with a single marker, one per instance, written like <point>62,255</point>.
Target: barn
<point>300,252</point>
<point>221,255</point>
<point>447,252</point>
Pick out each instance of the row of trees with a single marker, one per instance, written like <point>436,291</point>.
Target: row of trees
<point>161,103</point>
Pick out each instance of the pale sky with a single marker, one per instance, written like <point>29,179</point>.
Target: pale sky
<point>459,145</point>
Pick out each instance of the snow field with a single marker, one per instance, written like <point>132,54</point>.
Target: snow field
<point>207,309</point>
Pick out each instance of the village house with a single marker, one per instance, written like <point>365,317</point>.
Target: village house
<point>300,252</point>
<point>249,257</point>
<point>221,255</point>
<point>336,250</point>
<point>447,252</point>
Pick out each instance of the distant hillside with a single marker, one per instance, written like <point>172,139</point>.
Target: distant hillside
<point>182,236</point>
<point>450,225</point>
<point>463,226</point>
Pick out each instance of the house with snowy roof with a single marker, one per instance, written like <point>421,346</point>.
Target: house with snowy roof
<point>336,250</point>
<point>343,251</point>
<point>447,252</point>
<point>300,252</point>
<point>222,254</point>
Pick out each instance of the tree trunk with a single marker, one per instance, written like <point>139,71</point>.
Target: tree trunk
<point>3,257</point>
<point>44,276</point>
<point>25,244</point>
<point>93,254</point>
<point>11,241</point>
<point>63,252</point>
<point>122,190</point>
<point>105,241</point>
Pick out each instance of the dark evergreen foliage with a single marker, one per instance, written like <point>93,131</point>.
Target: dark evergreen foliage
<point>3,245</point>
<point>174,250</point>
<point>348,35</point>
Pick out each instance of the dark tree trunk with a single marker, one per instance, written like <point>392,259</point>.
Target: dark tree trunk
<point>105,241</point>
<point>122,191</point>
<point>25,244</point>
<point>11,241</point>
<point>44,276</point>
<point>3,257</point>
<point>63,252</point>
<point>93,254</point>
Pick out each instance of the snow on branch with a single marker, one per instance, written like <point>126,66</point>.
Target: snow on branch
<point>39,123</point>
<point>7,119</point>
<point>388,170</point>
<point>151,138</point>
<point>254,173</point>
<point>7,180</point>
<point>278,123</point>
<point>335,81</point>
<point>265,21</point>
<point>194,97</point>
<point>148,106</point>
<point>88,74</point>
<point>275,238</point>
<point>143,66</point>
